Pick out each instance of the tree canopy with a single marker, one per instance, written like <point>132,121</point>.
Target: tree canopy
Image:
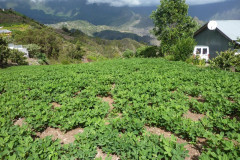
<point>172,23</point>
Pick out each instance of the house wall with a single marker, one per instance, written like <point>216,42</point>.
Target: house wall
<point>214,39</point>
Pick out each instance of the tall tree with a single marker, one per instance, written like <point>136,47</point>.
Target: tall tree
<point>172,23</point>
<point>4,52</point>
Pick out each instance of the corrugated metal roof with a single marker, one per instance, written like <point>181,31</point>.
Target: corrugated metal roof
<point>231,28</point>
<point>5,31</point>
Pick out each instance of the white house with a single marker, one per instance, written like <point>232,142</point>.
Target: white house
<point>19,48</point>
<point>5,32</point>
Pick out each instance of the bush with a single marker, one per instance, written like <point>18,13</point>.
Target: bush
<point>195,60</point>
<point>34,50</point>
<point>78,52</point>
<point>183,49</point>
<point>65,62</point>
<point>4,52</point>
<point>128,53</point>
<point>147,51</point>
<point>17,57</point>
<point>169,57</point>
<point>226,60</point>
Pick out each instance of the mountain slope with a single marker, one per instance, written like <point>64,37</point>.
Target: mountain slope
<point>56,11</point>
<point>216,10</point>
<point>61,45</point>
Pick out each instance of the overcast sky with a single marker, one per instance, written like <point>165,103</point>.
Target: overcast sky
<point>136,2</point>
<point>148,2</point>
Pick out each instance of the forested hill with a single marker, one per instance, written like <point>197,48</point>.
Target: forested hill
<point>60,45</point>
<point>10,17</point>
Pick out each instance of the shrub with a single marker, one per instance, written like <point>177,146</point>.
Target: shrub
<point>17,57</point>
<point>128,53</point>
<point>195,60</point>
<point>33,50</point>
<point>226,60</point>
<point>169,57</point>
<point>147,51</point>
<point>4,52</point>
<point>65,62</point>
<point>183,49</point>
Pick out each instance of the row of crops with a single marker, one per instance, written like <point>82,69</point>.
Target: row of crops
<point>147,92</point>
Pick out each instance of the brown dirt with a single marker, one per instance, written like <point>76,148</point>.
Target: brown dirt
<point>65,138</point>
<point>20,122</point>
<point>194,151</point>
<point>193,116</point>
<point>110,101</point>
<point>102,155</point>
<point>113,86</point>
<point>32,61</point>
<point>234,141</point>
<point>56,105</point>
<point>86,60</point>
<point>199,99</point>
<point>77,93</point>
<point>231,100</point>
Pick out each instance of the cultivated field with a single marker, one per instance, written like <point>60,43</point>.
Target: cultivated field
<point>119,109</point>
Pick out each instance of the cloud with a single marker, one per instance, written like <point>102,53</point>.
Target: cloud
<point>119,3</point>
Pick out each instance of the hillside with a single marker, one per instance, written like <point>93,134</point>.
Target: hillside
<point>10,17</point>
<point>109,32</point>
<point>49,12</point>
<point>222,11</point>
<point>124,108</point>
<point>58,46</point>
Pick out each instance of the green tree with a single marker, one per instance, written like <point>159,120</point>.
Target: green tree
<point>17,57</point>
<point>78,52</point>
<point>128,53</point>
<point>4,52</point>
<point>172,23</point>
<point>183,48</point>
<point>34,50</point>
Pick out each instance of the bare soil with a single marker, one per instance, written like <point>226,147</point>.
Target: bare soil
<point>65,138</point>
<point>20,122</point>
<point>32,61</point>
<point>194,151</point>
<point>56,105</point>
<point>86,60</point>
<point>199,99</point>
<point>113,86</point>
<point>231,100</point>
<point>102,155</point>
<point>110,101</point>
<point>193,116</point>
<point>77,93</point>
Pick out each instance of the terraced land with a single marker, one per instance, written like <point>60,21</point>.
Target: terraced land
<point>119,109</point>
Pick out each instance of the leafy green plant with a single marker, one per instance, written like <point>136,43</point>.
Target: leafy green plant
<point>226,60</point>
<point>128,53</point>
<point>140,92</point>
<point>148,51</point>
<point>195,60</point>
<point>183,48</point>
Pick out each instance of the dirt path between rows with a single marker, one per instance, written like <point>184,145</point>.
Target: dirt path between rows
<point>194,150</point>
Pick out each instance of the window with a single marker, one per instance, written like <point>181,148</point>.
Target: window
<point>198,51</point>
<point>204,50</point>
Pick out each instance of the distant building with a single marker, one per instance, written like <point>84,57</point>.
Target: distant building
<point>19,48</point>
<point>218,36</point>
<point>5,32</point>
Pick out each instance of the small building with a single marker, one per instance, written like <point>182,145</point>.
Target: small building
<point>5,32</point>
<point>19,48</point>
<point>219,36</point>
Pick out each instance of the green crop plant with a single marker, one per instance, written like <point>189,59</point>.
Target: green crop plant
<point>145,92</point>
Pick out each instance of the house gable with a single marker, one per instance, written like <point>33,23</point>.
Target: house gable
<point>215,39</point>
